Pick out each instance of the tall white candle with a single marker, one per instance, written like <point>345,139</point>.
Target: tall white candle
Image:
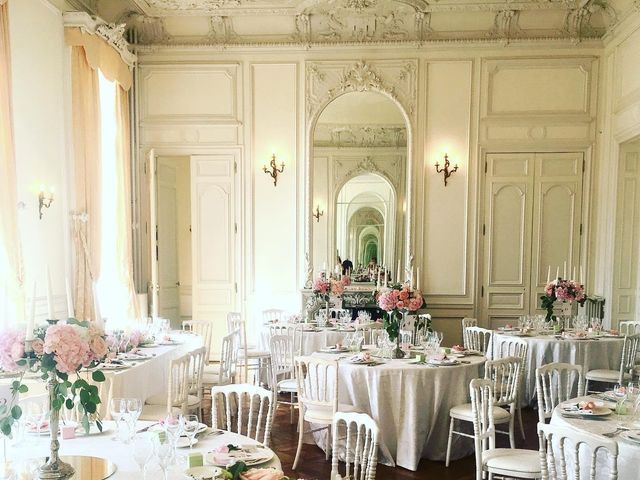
<point>581,276</point>
<point>399,277</point>
<point>557,272</point>
<point>564,271</point>
<point>549,274</point>
<point>96,307</point>
<point>573,277</point>
<point>70,312</point>
<point>418,279</point>
<point>50,314</point>
<point>31,320</point>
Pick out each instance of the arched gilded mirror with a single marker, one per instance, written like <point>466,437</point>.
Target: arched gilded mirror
<point>359,185</point>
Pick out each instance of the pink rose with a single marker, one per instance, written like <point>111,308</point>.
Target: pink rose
<point>38,346</point>
<point>403,295</point>
<point>222,449</point>
<point>11,343</point>
<point>99,347</point>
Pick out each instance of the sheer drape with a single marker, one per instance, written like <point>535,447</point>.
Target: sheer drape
<point>86,149</point>
<point>124,250</point>
<point>11,293</point>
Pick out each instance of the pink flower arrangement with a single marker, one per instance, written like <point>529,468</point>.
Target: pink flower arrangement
<point>337,288</point>
<point>324,287</point>
<point>401,298</point>
<point>70,350</point>
<point>321,286</point>
<point>11,349</point>
<point>564,290</point>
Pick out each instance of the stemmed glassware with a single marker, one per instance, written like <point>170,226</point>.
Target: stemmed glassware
<point>620,393</point>
<point>134,409</point>
<point>164,451</point>
<point>191,425</point>
<point>117,409</point>
<point>143,449</point>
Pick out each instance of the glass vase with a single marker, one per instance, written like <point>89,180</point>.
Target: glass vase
<point>54,468</point>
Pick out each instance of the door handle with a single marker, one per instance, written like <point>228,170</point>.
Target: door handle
<point>177,284</point>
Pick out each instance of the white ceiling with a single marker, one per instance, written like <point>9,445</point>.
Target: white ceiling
<point>319,22</point>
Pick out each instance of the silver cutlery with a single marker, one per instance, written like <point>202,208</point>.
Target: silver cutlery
<point>615,432</point>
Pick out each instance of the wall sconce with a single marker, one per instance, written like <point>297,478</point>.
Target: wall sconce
<point>447,172</point>
<point>273,173</point>
<point>317,213</point>
<point>45,199</point>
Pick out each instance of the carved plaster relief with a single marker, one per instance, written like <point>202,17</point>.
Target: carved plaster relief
<point>359,135</point>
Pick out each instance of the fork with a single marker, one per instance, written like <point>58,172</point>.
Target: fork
<point>614,433</point>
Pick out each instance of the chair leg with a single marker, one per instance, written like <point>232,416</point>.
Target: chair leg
<point>449,441</point>
<point>291,409</point>
<point>520,421</point>
<point>512,437</point>
<point>327,453</point>
<point>300,435</point>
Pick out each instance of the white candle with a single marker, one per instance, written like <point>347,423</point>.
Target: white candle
<point>581,276</point>
<point>418,279</point>
<point>564,271</point>
<point>549,274</point>
<point>573,277</point>
<point>324,267</point>
<point>50,314</point>
<point>558,272</point>
<point>67,284</point>
<point>31,320</point>
<point>96,307</point>
<point>399,277</point>
<point>378,280</point>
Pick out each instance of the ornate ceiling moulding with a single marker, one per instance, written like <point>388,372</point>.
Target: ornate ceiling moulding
<point>394,78</point>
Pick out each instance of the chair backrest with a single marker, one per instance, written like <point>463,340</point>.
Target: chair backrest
<point>235,322</point>
<point>510,347</point>
<point>484,430</point>
<point>317,381</point>
<point>272,315</point>
<point>202,328</point>
<point>293,330</point>
<point>629,327</point>
<point>479,339</point>
<point>198,359</point>
<point>361,446</point>
<point>557,383</point>
<point>370,331</point>
<point>282,354</point>
<point>629,352</point>
<point>562,447</point>
<point>229,357</point>
<point>244,409</point>
<point>178,391</point>
<point>505,374</point>
<point>466,323</point>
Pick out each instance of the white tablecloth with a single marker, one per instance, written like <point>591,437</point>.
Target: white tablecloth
<point>120,453</point>
<point>628,453</point>
<point>591,354</point>
<point>311,341</point>
<point>411,405</point>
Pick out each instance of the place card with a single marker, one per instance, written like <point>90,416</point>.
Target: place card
<point>196,460</point>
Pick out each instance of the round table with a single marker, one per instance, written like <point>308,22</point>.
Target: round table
<point>591,354</point>
<point>312,339</point>
<point>410,403</point>
<point>119,453</point>
<point>628,452</point>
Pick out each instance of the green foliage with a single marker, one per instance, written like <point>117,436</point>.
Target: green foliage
<point>391,324</point>
<point>236,469</point>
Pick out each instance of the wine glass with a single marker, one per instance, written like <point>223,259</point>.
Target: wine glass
<point>191,426</point>
<point>620,394</point>
<point>117,408</point>
<point>142,449</point>
<point>134,409</point>
<point>164,453</point>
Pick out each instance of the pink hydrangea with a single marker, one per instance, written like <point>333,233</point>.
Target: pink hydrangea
<point>11,349</point>
<point>70,350</point>
<point>320,285</point>
<point>98,347</point>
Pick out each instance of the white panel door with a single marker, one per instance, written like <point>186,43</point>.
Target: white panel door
<point>507,236</point>
<point>214,245</point>
<point>533,211</point>
<point>625,274</point>
<point>167,242</point>
<point>557,218</point>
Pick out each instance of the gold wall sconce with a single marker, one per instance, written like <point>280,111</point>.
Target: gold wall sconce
<point>317,213</point>
<point>273,171</point>
<point>447,172</point>
<point>45,199</point>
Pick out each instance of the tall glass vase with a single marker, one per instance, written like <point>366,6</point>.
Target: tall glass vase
<point>398,352</point>
<point>54,468</point>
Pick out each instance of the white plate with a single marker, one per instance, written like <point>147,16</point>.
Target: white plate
<point>112,366</point>
<point>184,442</point>
<point>201,428</point>
<point>334,350</point>
<point>444,363</point>
<point>203,473</point>
<point>132,357</point>
<point>147,345</point>
<point>249,454</point>
<point>597,412</point>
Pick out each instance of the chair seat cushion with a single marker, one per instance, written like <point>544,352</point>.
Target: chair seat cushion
<point>288,385</point>
<point>464,412</point>
<point>610,376</point>
<point>157,412</point>
<point>255,354</point>
<point>324,415</point>
<point>515,460</point>
<point>210,379</point>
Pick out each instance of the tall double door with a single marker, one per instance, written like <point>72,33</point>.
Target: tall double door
<point>532,226</point>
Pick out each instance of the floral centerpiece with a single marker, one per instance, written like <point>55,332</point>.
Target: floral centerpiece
<point>397,301</point>
<point>240,471</point>
<point>566,291</point>
<point>56,352</point>
<point>324,288</point>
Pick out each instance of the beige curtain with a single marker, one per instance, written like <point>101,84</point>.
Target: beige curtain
<point>86,149</point>
<point>11,293</point>
<point>123,199</point>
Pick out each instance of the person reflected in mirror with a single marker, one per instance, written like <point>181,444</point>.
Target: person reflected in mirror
<point>338,268</point>
<point>347,267</point>
<point>373,267</point>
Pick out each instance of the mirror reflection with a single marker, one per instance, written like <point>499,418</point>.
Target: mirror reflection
<point>359,178</point>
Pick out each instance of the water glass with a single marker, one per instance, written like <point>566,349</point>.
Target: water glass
<point>117,409</point>
<point>164,453</point>
<point>620,393</point>
<point>142,448</point>
<point>191,426</point>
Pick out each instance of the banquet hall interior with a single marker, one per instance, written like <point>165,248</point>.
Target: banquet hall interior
<point>319,239</point>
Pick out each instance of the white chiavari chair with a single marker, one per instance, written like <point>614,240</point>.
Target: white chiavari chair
<point>175,401</point>
<point>557,383</point>
<point>317,381</point>
<point>272,315</point>
<point>250,358</point>
<point>505,376</point>
<point>479,339</point>
<point>514,347</point>
<point>199,358</point>
<point>243,409</point>
<point>629,327</point>
<point>202,328</point>
<point>627,365</point>
<point>361,446</point>
<point>370,331</point>
<point>562,446</point>
<point>466,323</point>
<point>282,371</point>
<point>225,372</point>
<point>506,462</point>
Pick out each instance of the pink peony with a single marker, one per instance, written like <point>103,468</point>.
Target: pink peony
<point>70,350</point>
<point>415,303</point>
<point>404,294</point>
<point>320,285</point>
<point>11,349</point>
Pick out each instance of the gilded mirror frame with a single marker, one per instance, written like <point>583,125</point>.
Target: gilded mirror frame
<point>326,81</point>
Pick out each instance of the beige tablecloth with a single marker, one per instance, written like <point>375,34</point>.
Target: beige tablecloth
<point>311,341</point>
<point>543,349</point>
<point>411,405</point>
